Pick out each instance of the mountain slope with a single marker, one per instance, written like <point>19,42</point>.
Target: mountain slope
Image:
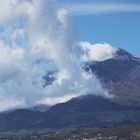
<point>120,76</point>
<point>85,111</point>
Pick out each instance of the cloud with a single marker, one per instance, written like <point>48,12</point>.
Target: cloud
<point>51,101</point>
<point>97,52</point>
<point>36,40</point>
<point>11,10</point>
<point>10,103</point>
<point>77,9</point>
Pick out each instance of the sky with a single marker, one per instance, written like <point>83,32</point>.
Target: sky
<point>119,26</point>
<point>120,30</point>
<point>52,39</point>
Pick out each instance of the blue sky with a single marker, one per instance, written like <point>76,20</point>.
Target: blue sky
<point>132,1</point>
<point>120,28</point>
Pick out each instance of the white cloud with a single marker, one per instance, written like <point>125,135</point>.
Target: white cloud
<point>100,8</point>
<point>11,10</point>
<point>11,103</point>
<point>55,100</point>
<point>9,62</point>
<point>97,52</point>
<point>43,41</point>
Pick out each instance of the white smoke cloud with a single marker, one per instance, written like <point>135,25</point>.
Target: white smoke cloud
<point>37,39</point>
<point>97,52</point>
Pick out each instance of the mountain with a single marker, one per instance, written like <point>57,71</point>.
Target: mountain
<point>120,76</point>
<point>83,111</point>
<point>89,111</point>
<point>21,119</point>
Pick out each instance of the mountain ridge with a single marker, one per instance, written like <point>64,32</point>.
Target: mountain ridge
<point>86,111</point>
